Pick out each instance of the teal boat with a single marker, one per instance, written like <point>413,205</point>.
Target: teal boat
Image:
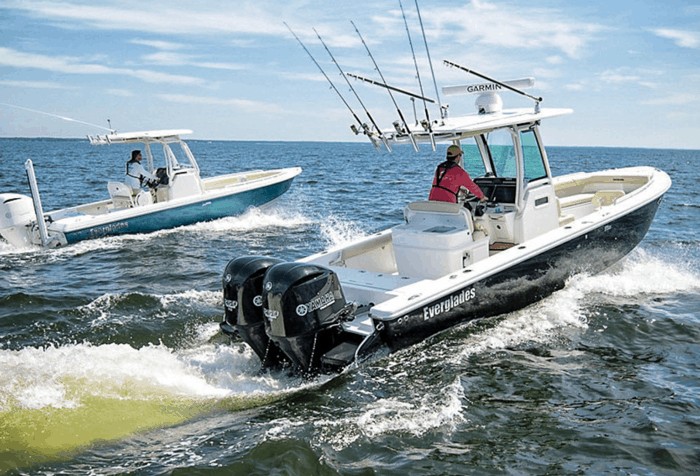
<point>181,197</point>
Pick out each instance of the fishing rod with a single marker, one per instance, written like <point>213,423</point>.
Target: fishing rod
<point>59,117</point>
<point>364,126</point>
<point>443,110</point>
<point>537,100</point>
<point>357,96</point>
<point>376,66</point>
<point>420,83</point>
<point>398,90</point>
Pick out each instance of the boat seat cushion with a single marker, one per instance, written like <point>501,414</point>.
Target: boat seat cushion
<point>606,197</point>
<point>433,213</point>
<point>573,200</point>
<point>121,194</point>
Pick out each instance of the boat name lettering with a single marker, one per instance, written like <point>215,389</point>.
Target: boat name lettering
<point>270,314</point>
<point>320,302</point>
<point>230,304</point>
<point>451,302</point>
<point>100,231</point>
<point>479,88</point>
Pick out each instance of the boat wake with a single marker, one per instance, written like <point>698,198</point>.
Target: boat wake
<point>255,219</point>
<point>338,232</point>
<point>58,399</point>
<point>636,280</point>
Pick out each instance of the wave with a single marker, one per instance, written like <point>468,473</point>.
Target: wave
<point>418,414</point>
<point>641,274</point>
<point>102,308</point>
<point>338,232</point>
<point>56,399</point>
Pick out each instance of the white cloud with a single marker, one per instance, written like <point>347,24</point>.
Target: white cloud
<point>165,17</point>
<point>34,84</point>
<point>677,99</point>
<point>480,22</point>
<point>68,65</point>
<point>164,58</point>
<point>120,92</point>
<point>682,38</point>
<point>158,44</point>
<point>624,76</point>
<point>243,104</point>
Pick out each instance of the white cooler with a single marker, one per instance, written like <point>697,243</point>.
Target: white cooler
<point>435,251</point>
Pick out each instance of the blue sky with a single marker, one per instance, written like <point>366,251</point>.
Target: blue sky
<point>231,70</point>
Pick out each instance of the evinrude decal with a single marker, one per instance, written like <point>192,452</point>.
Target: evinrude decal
<point>257,301</point>
<point>319,302</point>
<point>230,304</point>
<point>434,310</point>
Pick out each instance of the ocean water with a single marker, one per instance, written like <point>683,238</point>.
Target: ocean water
<point>111,361</point>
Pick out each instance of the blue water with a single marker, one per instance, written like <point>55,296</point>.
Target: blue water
<point>111,361</point>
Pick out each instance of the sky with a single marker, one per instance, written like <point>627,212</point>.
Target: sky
<point>232,70</point>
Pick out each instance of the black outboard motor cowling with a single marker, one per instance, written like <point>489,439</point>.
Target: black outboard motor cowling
<point>243,305</point>
<point>303,304</point>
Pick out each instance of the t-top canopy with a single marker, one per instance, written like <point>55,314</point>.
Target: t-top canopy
<point>172,135</point>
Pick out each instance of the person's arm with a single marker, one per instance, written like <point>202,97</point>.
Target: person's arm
<point>469,184</point>
<point>147,174</point>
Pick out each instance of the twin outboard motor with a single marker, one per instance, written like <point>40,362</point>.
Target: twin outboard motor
<point>303,305</point>
<point>288,313</point>
<point>243,306</point>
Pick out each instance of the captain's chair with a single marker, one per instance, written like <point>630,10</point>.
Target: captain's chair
<point>121,194</point>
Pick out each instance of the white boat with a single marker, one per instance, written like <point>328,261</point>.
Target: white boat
<point>181,198</point>
<point>446,264</point>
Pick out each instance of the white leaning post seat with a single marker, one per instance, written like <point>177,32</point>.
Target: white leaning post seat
<point>120,193</point>
<point>435,241</point>
<point>452,214</point>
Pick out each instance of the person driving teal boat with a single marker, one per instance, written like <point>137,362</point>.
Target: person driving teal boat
<point>137,176</point>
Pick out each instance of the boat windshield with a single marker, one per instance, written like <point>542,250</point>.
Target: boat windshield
<point>532,156</point>
<point>473,163</point>
<point>500,144</point>
<point>178,156</point>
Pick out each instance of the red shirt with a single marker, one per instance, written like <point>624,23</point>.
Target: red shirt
<point>448,178</point>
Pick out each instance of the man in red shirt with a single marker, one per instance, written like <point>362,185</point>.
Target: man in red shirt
<point>449,176</point>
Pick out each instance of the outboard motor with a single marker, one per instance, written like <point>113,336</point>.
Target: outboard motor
<point>16,213</point>
<point>303,305</point>
<point>243,311</point>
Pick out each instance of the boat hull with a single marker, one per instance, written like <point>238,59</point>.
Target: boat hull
<point>524,283</point>
<point>204,209</point>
